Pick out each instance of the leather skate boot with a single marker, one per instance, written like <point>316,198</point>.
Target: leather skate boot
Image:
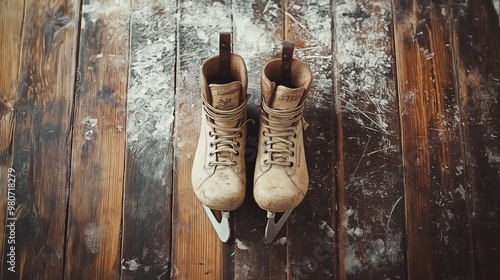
<point>281,178</point>
<point>218,175</point>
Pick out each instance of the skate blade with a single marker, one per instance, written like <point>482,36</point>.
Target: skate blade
<point>221,228</point>
<point>273,228</point>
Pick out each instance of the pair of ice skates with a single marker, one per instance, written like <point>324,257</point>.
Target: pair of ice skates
<point>219,175</point>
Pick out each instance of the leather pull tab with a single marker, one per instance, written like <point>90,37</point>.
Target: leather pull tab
<point>225,55</point>
<point>286,62</point>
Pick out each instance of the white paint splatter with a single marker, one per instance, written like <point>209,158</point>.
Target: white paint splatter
<point>281,241</point>
<point>329,231</point>
<point>362,46</point>
<point>461,191</point>
<point>98,9</point>
<point>150,98</point>
<point>130,265</point>
<point>92,234</point>
<point>243,271</point>
<point>352,263</point>
<point>174,272</point>
<point>241,245</point>
<point>496,4</point>
<point>88,130</point>
<point>493,156</point>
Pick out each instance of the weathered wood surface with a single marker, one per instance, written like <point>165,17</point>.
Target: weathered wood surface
<point>477,57</point>
<point>312,225</point>
<point>437,217</point>
<point>97,167</point>
<point>43,126</point>
<point>197,252</point>
<point>150,116</point>
<point>11,20</point>
<point>370,184</point>
<point>402,143</point>
<point>253,258</point>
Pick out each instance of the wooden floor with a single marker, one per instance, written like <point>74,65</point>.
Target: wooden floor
<point>99,119</point>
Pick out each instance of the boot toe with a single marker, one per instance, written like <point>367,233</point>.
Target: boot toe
<point>223,191</point>
<point>277,195</point>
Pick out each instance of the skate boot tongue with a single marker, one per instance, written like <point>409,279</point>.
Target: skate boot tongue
<point>287,98</point>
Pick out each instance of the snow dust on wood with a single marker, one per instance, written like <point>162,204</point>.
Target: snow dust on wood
<point>369,143</point>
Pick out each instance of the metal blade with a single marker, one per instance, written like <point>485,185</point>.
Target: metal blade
<point>273,228</point>
<point>221,228</point>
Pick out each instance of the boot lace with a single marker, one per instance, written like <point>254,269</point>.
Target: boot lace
<point>280,125</point>
<point>225,136</point>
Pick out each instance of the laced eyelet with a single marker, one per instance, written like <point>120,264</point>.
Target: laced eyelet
<point>295,135</point>
<point>240,134</point>
<point>292,154</point>
<point>237,153</point>
<point>265,152</point>
<point>234,163</point>
<point>211,164</point>
<point>211,145</point>
<point>264,133</point>
<point>211,154</point>
<point>265,143</point>
<point>238,144</point>
<point>290,164</point>
<point>292,145</point>
<point>265,161</point>
<point>210,134</point>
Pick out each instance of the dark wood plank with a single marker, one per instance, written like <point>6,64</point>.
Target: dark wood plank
<point>197,252</point>
<point>370,186</point>
<point>437,220</point>
<point>253,258</point>
<point>311,226</point>
<point>95,206</point>
<point>11,21</point>
<point>42,129</point>
<point>477,52</point>
<point>150,108</point>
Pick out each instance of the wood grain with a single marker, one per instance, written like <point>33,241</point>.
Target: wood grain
<point>150,109</point>
<point>370,186</point>
<point>436,211</point>
<point>253,258</point>
<point>197,250</point>
<point>97,178</point>
<point>11,21</point>
<point>311,226</point>
<point>42,129</point>
<point>477,55</point>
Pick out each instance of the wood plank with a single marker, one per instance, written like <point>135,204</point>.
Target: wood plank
<point>41,150</point>
<point>197,252</point>
<point>150,109</point>
<point>437,223</point>
<point>253,258</point>
<point>311,226</point>
<point>370,186</point>
<point>11,21</point>
<point>477,52</point>
<point>95,206</point>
